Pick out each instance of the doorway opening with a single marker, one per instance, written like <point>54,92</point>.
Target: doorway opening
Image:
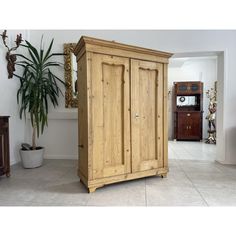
<point>207,68</point>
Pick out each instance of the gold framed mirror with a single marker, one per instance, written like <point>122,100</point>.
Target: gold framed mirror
<point>70,67</point>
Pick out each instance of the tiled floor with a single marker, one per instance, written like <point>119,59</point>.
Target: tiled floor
<point>192,151</point>
<point>190,182</point>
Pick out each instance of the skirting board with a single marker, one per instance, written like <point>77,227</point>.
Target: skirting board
<point>53,157</point>
<point>65,157</point>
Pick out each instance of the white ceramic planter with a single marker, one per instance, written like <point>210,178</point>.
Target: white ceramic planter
<point>32,158</point>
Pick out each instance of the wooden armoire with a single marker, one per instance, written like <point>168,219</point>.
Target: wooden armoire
<point>122,112</point>
<point>188,110</point>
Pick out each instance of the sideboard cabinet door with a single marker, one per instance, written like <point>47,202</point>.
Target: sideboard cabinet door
<point>2,152</point>
<point>4,146</point>
<point>146,115</point>
<point>109,116</point>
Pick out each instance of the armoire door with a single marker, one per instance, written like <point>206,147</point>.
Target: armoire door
<point>146,115</point>
<point>110,115</point>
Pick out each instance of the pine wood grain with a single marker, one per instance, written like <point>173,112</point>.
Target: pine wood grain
<point>122,112</point>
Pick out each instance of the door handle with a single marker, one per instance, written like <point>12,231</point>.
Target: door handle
<point>81,146</point>
<point>187,127</point>
<point>188,114</point>
<point>136,115</point>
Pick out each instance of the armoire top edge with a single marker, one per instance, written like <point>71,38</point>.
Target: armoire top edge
<point>85,40</point>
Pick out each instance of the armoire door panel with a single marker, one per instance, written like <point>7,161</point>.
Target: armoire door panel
<point>110,116</point>
<point>113,94</point>
<point>146,121</point>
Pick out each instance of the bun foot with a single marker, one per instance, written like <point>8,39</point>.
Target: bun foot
<point>163,175</point>
<point>91,190</point>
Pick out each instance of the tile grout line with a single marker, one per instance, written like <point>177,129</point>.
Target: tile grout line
<point>199,193</point>
<point>194,186</point>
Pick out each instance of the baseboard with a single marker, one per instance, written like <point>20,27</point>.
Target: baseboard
<point>14,162</point>
<point>225,163</point>
<point>66,157</point>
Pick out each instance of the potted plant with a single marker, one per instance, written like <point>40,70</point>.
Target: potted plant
<point>38,87</point>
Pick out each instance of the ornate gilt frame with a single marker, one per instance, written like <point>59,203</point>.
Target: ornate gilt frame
<point>70,101</point>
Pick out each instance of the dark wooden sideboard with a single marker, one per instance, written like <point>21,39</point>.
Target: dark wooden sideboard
<point>188,110</point>
<point>4,146</point>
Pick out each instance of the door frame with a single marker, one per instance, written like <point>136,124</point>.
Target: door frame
<point>222,84</point>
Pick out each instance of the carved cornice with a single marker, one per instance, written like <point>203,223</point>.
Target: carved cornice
<point>112,44</point>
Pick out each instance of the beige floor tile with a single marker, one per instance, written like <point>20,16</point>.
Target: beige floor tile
<point>122,194</point>
<point>191,181</point>
<point>219,197</point>
<point>173,196</point>
<point>174,178</point>
<point>212,180</point>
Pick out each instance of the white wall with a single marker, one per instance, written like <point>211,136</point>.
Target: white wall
<point>170,40</point>
<point>8,102</point>
<point>192,69</point>
<point>60,137</point>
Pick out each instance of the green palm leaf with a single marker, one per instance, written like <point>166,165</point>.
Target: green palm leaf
<point>38,85</point>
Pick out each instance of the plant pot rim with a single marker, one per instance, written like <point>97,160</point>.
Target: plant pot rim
<point>37,149</point>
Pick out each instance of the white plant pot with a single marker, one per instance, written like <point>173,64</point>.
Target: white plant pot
<point>32,158</point>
